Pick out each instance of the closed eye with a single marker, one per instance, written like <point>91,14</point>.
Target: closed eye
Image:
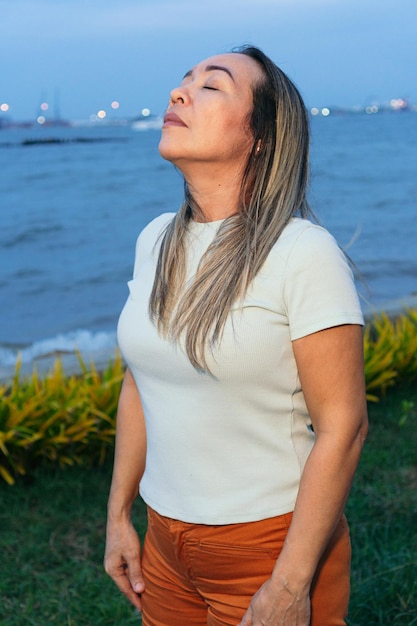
<point>211,88</point>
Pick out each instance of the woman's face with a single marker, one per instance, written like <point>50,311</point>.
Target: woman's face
<point>207,120</point>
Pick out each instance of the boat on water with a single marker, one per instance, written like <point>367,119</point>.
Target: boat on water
<point>146,123</point>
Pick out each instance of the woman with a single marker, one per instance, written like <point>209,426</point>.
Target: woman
<point>242,413</point>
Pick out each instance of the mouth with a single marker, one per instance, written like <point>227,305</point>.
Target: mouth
<point>172,119</point>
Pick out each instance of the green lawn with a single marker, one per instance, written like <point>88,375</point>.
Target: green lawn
<point>382,510</point>
<point>52,534</point>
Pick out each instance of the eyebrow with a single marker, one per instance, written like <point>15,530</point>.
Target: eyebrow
<point>212,68</point>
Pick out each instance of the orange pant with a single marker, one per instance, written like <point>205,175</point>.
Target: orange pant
<point>198,575</point>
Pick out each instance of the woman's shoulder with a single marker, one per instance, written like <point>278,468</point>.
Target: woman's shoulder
<point>308,230</point>
<point>304,237</point>
<point>155,227</point>
<point>317,282</point>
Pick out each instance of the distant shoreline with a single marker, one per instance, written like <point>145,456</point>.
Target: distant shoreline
<point>395,106</point>
<point>392,308</point>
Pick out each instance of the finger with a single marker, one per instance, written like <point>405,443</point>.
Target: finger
<point>134,574</point>
<point>124,585</point>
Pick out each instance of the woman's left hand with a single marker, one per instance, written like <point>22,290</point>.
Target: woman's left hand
<point>277,606</point>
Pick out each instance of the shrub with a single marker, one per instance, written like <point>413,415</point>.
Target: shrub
<point>60,419</point>
<point>390,349</point>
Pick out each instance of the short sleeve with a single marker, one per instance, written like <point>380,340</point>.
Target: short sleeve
<point>318,289</point>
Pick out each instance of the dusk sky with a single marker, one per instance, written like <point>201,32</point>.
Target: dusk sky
<point>79,56</point>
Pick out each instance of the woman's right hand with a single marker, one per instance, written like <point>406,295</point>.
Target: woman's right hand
<point>122,560</point>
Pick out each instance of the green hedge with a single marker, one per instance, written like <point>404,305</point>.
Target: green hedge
<point>59,419</point>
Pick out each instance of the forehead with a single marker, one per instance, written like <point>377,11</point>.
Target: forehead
<point>241,66</point>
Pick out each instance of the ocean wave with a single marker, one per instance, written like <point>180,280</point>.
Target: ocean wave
<point>32,234</point>
<point>83,341</point>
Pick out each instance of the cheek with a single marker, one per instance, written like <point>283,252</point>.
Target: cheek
<point>239,136</point>
<point>239,126</point>
<point>234,131</point>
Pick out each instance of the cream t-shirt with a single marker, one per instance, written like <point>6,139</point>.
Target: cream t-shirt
<point>231,447</point>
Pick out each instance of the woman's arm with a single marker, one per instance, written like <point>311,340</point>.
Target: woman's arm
<point>122,556</point>
<point>330,365</point>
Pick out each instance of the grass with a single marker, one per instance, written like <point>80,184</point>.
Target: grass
<point>382,510</point>
<point>52,533</point>
<point>52,529</point>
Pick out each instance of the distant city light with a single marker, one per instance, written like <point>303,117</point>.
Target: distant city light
<point>371,109</point>
<point>101,114</point>
<point>4,107</point>
<point>44,106</point>
<point>325,111</point>
<point>398,103</point>
<point>146,112</point>
<point>41,119</point>
<point>115,104</point>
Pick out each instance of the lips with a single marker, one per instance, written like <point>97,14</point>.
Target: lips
<point>172,119</point>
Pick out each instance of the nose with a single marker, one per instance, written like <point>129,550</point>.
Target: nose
<point>178,95</point>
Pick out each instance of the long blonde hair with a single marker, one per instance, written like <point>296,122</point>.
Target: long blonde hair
<point>273,189</point>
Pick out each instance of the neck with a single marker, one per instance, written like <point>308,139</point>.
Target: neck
<point>217,193</point>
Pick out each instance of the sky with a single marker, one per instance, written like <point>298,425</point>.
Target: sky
<point>79,56</point>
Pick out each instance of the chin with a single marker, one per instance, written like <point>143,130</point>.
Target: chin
<point>167,151</point>
<point>171,153</point>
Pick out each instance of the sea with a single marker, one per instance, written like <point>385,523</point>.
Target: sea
<point>74,198</point>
